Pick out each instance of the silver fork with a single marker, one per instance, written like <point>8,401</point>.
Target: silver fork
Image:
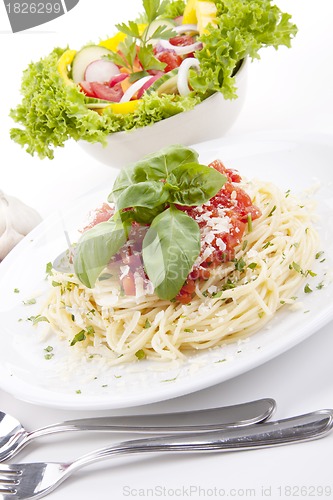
<point>35,480</point>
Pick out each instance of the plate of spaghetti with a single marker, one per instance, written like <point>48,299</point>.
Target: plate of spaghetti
<point>193,266</point>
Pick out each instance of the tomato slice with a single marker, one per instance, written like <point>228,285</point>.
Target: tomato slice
<point>102,91</point>
<point>170,58</point>
<point>86,88</point>
<point>128,284</point>
<point>182,40</point>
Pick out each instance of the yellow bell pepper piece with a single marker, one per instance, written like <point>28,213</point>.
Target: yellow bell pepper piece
<point>200,12</point>
<point>113,42</point>
<point>123,108</point>
<point>64,61</point>
<point>190,16</point>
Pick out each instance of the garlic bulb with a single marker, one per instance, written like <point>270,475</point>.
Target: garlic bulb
<point>16,221</point>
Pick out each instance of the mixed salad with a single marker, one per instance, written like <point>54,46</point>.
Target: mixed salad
<point>166,62</point>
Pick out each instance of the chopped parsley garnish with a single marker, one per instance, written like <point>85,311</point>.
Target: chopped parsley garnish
<point>140,354</point>
<point>249,223</point>
<point>29,302</point>
<point>272,211</point>
<point>48,352</point>
<point>307,288</point>
<point>37,319</point>
<point>253,265</point>
<point>240,264</point>
<point>147,324</point>
<point>48,269</point>
<point>319,255</point>
<point>268,244</point>
<point>16,290</point>
<point>79,337</point>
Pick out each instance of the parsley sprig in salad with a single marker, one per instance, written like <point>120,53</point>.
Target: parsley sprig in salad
<point>54,108</point>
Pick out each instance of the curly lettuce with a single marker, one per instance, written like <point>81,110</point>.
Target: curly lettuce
<point>244,27</point>
<point>51,111</point>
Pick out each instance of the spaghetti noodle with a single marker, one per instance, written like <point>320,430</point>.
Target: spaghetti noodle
<point>238,298</point>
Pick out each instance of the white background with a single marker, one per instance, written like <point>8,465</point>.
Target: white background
<point>287,89</point>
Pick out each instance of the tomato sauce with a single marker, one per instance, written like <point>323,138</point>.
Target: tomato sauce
<point>236,206</point>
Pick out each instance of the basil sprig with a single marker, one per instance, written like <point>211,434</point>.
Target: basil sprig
<point>150,191</point>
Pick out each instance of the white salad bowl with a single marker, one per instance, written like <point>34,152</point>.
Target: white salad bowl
<point>210,119</point>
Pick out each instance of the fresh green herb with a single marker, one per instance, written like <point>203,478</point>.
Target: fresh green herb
<point>240,264</point>
<point>79,337</point>
<point>319,255</point>
<point>95,249</point>
<point>170,248</point>
<point>249,223</point>
<point>268,244</point>
<point>137,43</point>
<point>307,288</point>
<point>272,211</point>
<point>244,245</point>
<point>78,391</point>
<point>48,352</point>
<point>37,319</point>
<point>170,379</point>
<point>48,269</point>
<point>253,265</point>
<point>320,285</point>
<point>29,302</point>
<point>282,302</point>
<point>221,361</point>
<point>16,290</point>
<point>147,324</point>
<point>171,245</point>
<point>56,283</point>
<point>140,354</point>
<point>310,273</point>
<point>288,193</point>
<point>296,267</point>
<point>188,330</point>
<point>261,314</point>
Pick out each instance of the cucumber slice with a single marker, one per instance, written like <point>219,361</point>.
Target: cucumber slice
<point>157,24</point>
<point>84,57</point>
<point>166,84</point>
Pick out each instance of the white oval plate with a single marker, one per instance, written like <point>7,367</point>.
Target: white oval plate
<point>291,160</point>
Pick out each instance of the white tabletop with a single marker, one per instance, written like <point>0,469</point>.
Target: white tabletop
<point>287,89</point>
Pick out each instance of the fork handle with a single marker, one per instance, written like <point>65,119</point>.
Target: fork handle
<point>295,429</point>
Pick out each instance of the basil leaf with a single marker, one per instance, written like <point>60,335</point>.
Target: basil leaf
<point>95,249</point>
<point>144,194</point>
<point>193,184</point>
<point>153,167</point>
<point>146,215</point>
<point>123,180</point>
<point>157,166</point>
<point>170,248</point>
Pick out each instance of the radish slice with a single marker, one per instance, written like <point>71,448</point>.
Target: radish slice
<point>101,70</point>
<point>149,83</point>
<point>182,82</point>
<point>134,88</point>
<point>181,50</point>
<point>186,27</point>
<point>117,79</point>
